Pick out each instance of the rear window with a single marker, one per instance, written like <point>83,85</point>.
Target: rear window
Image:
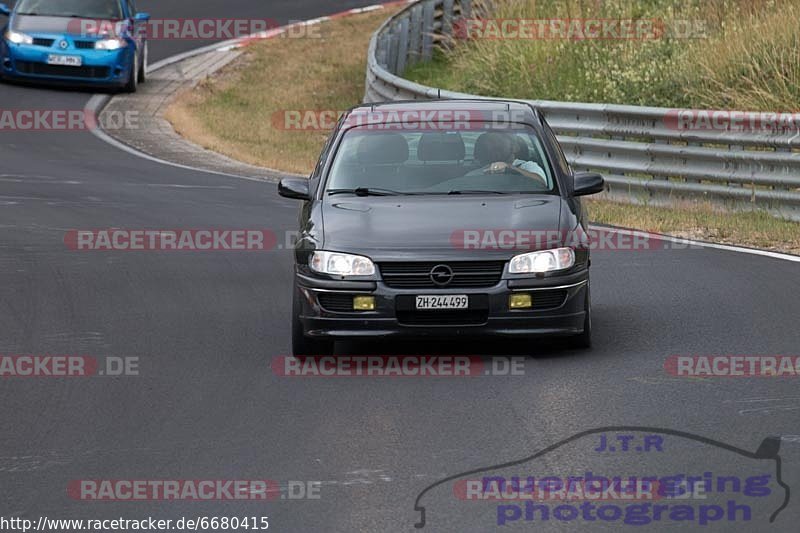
<point>480,158</point>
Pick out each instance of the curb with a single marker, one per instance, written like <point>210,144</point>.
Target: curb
<point>211,162</point>
<point>700,244</point>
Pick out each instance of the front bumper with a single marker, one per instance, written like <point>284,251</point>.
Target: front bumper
<point>98,67</point>
<point>560,310</point>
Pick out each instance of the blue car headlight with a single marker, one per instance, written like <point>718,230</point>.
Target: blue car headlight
<point>110,44</point>
<point>18,37</point>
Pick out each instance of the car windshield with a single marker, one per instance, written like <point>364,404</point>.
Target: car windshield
<point>479,159</point>
<point>93,9</point>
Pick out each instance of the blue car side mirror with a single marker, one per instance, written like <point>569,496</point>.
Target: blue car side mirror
<point>4,10</point>
<point>142,17</point>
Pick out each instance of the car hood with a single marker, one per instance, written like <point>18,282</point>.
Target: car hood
<point>57,25</point>
<point>406,227</point>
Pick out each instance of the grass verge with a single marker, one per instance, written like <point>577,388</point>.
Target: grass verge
<point>703,222</point>
<point>237,113</point>
<point>718,54</point>
<point>233,114</point>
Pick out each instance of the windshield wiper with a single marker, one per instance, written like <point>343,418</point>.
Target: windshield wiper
<point>59,15</point>
<point>476,191</point>
<point>364,191</point>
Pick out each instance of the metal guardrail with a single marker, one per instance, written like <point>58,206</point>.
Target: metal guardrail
<point>644,155</point>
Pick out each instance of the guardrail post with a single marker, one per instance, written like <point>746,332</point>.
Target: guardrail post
<point>735,148</point>
<point>466,8</point>
<point>402,47</point>
<point>415,35</point>
<point>692,180</point>
<point>382,50</point>
<point>428,12</point>
<point>447,17</point>
<point>659,141</point>
<point>391,59</point>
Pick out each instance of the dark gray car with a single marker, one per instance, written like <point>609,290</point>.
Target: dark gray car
<point>442,218</point>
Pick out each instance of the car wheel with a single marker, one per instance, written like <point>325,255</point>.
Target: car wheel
<point>133,84</point>
<point>142,73</point>
<point>301,344</point>
<point>584,340</point>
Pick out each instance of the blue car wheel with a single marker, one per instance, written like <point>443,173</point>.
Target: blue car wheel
<point>142,75</point>
<point>133,77</point>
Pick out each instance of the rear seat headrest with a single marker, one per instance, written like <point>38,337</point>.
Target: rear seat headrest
<point>382,149</point>
<point>441,146</point>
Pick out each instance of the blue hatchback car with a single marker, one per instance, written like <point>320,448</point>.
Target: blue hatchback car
<point>76,42</point>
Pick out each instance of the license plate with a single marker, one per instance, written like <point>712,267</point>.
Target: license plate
<point>69,61</point>
<point>443,301</point>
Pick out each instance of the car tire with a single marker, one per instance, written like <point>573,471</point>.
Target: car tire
<point>142,73</point>
<point>133,78</point>
<point>584,340</point>
<point>301,344</point>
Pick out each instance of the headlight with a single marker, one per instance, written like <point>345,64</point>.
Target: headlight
<point>18,38</point>
<point>544,261</point>
<point>338,264</point>
<point>110,44</point>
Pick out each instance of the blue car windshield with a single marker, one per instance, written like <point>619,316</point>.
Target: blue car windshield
<point>465,160</point>
<point>90,9</point>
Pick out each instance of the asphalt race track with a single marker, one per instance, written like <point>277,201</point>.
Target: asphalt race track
<point>205,327</point>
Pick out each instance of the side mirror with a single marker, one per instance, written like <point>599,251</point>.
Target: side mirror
<point>4,10</point>
<point>588,183</point>
<point>142,17</point>
<point>296,188</point>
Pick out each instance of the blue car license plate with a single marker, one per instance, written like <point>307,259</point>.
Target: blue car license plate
<point>68,61</point>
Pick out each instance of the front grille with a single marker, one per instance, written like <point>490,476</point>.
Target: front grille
<point>42,69</point>
<point>41,41</point>
<point>84,45</point>
<point>466,274</point>
<point>336,302</point>
<point>467,317</point>
<point>549,299</point>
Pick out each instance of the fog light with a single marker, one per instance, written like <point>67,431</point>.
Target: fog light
<point>520,301</point>
<point>364,303</point>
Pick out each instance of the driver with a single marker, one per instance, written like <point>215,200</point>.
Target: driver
<point>522,159</point>
<point>504,150</point>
